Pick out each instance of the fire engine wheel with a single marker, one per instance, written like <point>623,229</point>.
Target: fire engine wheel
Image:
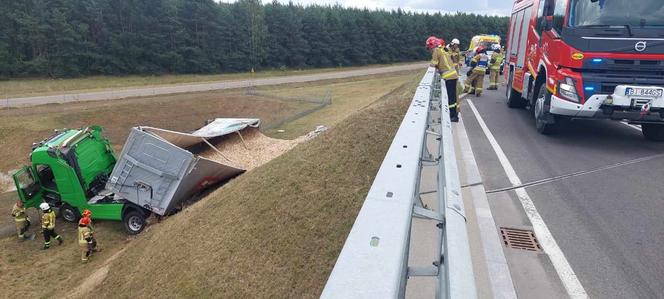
<point>513,97</point>
<point>69,213</point>
<point>653,132</point>
<point>134,222</point>
<point>544,121</point>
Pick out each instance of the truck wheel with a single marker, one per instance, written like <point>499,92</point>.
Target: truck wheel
<point>653,132</point>
<point>513,97</point>
<point>544,121</point>
<point>69,213</point>
<point>134,222</point>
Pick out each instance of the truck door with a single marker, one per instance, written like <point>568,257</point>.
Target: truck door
<point>28,188</point>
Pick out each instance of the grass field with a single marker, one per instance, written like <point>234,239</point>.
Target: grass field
<point>327,176</point>
<point>46,86</point>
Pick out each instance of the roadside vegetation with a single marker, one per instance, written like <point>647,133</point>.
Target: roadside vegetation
<point>274,232</point>
<point>327,176</point>
<point>28,87</point>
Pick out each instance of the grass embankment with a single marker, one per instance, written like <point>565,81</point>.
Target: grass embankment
<point>45,86</point>
<point>274,232</point>
<point>31,272</point>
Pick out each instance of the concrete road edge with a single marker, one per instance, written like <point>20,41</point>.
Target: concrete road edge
<point>499,276</point>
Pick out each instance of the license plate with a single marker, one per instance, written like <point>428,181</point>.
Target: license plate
<point>644,92</point>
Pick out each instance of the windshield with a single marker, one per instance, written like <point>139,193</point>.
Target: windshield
<point>640,13</point>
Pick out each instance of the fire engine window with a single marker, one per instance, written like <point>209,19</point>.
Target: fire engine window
<point>645,13</point>
<point>515,33</point>
<point>559,15</point>
<point>541,23</point>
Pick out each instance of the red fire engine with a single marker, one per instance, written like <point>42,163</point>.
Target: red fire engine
<point>571,59</point>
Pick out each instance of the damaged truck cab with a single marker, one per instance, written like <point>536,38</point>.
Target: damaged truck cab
<point>68,171</point>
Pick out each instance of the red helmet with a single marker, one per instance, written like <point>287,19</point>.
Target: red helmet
<point>441,41</point>
<point>433,42</point>
<point>479,49</point>
<point>84,221</point>
<point>87,213</point>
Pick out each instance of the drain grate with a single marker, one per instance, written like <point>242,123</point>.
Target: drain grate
<point>520,239</point>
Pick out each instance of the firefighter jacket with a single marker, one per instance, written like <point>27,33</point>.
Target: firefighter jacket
<point>48,220</point>
<point>84,235</point>
<point>496,60</point>
<point>441,59</point>
<point>455,55</point>
<point>481,62</point>
<point>19,213</point>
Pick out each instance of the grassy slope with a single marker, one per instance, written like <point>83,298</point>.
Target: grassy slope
<point>46,86</point>
<point>273,232</point>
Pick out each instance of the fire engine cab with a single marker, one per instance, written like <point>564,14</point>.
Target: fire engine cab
<point>594,59</point>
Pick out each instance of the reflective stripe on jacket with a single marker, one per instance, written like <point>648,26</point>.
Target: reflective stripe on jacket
<point>19,213</point>
<point>48,220</point>
<point>482,62</point>
<point>84,233</point>
<point>496,60</point>
<point>441,59</point>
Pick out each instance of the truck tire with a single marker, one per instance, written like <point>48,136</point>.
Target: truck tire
<point>544,121</point>
<point>653,132</point>
<point>134,222</point>
<point>514,99</point>
<point>69,213</point>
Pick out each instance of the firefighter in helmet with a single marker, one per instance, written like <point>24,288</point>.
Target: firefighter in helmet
<point>441,60</point>
<point>494,67</point>
<point>479,64</point>
<point>48,225</point>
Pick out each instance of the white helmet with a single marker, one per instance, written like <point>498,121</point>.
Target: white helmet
<point>455,42</point>
<point>44,206</point>
<point>495,47</point>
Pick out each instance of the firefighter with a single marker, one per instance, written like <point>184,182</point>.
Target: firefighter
<point>22,221</point>
<point>88,214</point>
<point>455,53</point>
<point>48,225</point>
<point>494,67</point>
<point>93,245</point>
<point>440,59</point>
<point>85,239</point>
<point>475,80</point>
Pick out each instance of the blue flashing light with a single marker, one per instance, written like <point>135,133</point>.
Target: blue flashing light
<point>597,60</point>
<point>589,88</point>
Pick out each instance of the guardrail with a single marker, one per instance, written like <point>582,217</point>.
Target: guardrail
<point>374,260</point>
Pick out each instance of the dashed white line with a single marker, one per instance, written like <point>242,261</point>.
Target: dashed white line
<point>569,279</point>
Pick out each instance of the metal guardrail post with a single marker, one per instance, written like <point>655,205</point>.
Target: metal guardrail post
<point>374,260</point>
<point>457,277</point>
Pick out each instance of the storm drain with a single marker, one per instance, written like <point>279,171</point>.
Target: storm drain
<point>520,239</point>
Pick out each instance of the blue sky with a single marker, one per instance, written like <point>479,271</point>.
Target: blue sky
<point>495,7</point>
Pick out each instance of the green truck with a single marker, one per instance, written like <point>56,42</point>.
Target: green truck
<point>71,167</point>
<point>158,169</point>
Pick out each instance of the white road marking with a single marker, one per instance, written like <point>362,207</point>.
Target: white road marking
<point>497,266</point>
<point>631,126</point>
<point>567,276</point>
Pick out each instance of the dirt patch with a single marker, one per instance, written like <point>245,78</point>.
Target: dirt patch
<point>92,281</point>
<point>248,148</point>
<point>7,182</point>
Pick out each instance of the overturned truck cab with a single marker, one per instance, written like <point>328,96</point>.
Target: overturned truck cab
<point>74,170</point>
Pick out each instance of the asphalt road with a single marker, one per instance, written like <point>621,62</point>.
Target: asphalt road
<point>184,88</point>
<point>609,224</point>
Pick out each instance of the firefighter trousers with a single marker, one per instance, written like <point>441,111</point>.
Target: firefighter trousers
<point>494,78</point>
<point>475,83</point>
<point>22,227</point>
<point>451,86</point>
<point>48,233</point>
